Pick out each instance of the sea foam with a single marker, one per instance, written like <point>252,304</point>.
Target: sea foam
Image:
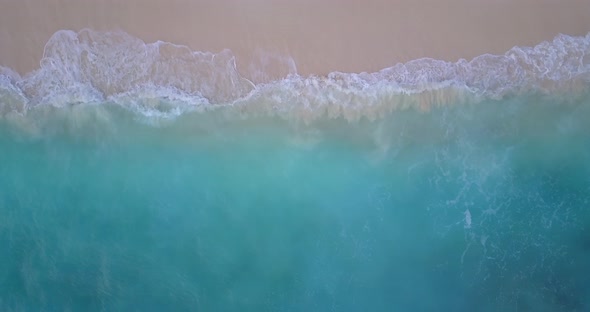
<point>97,67</point>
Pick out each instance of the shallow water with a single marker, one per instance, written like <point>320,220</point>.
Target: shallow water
<point>480,207</point>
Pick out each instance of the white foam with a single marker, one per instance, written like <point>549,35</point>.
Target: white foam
<point>467,215</point>
<point>94,67</point>
<point>11,97</point>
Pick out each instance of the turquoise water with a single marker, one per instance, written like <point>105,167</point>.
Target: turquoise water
<point>471,207</point>
<point>148,177</point>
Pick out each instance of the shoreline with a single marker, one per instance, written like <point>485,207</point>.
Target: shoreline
<point>342,36</point>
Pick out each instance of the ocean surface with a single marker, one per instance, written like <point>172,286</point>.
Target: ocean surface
<point>148,177</point>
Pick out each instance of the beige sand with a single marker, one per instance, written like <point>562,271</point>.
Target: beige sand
<point>322,36</point>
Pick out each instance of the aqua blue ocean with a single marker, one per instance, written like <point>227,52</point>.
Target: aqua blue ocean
<point>462,205</point>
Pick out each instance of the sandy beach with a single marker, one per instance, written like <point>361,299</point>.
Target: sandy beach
<point>321,36</point>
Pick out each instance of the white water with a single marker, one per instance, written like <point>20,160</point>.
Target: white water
<point>96,67</point>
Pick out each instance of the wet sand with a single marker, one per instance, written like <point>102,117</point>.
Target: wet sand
<point>321,36</point>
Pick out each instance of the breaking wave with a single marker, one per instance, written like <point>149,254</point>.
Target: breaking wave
<point>165,79</point>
